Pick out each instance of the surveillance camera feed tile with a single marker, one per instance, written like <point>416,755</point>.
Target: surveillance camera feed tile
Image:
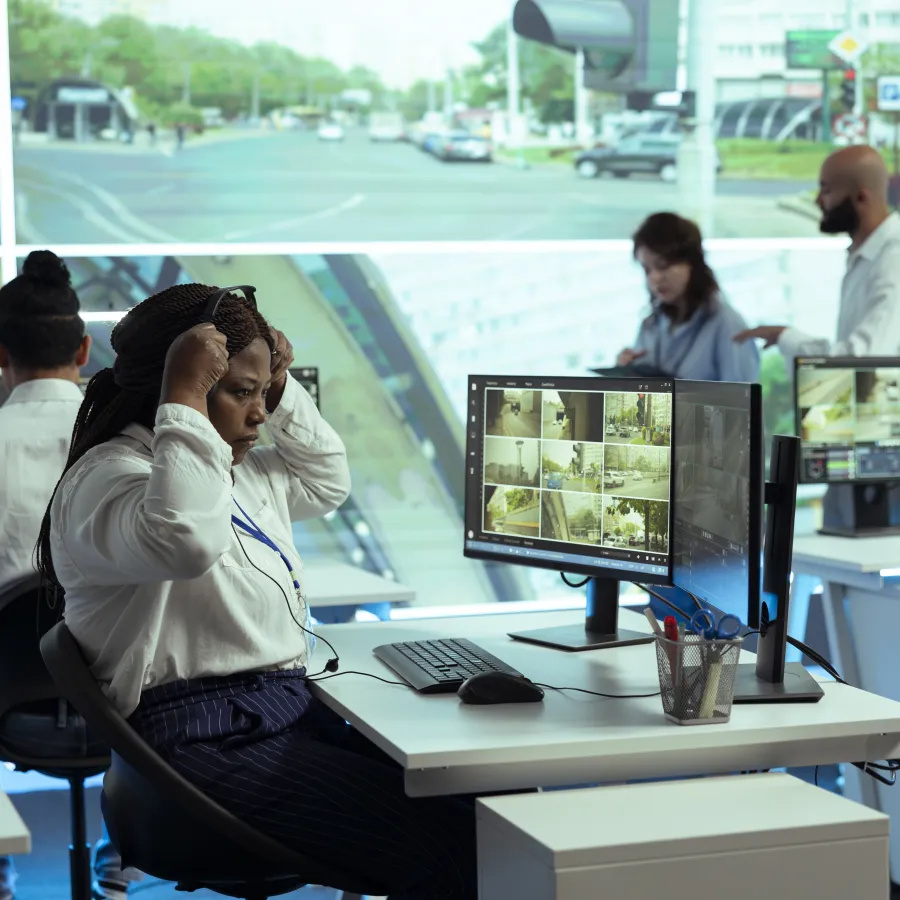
<point>567,494</point>
<point>717,464</point>
<point>848,418</point>
<point>394,336</point>
<point>164,121</point>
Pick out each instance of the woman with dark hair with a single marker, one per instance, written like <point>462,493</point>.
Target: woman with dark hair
<point>43,346</point>
<point>171,536</point>
<point>690,330</point>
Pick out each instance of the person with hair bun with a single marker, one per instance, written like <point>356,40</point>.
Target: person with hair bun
<point>689,332</point>
<point>170,534</point>
<point>43,346</point>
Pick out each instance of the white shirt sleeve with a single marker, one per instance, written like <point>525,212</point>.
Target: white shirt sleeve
<point>878,334</point>
<point>121,522</point>
<point>308,462</point>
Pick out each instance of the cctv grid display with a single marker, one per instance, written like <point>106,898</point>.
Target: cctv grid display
<point>717,469</point>
<point>562,474</point>
<point>848,419</point>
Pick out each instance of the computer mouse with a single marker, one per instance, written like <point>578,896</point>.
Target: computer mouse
<point>499,687</point>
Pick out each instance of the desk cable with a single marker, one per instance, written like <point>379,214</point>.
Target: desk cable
<point>874,770</point>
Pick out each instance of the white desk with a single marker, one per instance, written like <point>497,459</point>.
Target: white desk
<point>570,739</point>
<point>331,583</point>
<point>15,838</point>
<point>862,618</point>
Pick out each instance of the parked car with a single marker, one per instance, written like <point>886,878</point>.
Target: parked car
<point>462,146</point>
<point>330,131</point>
<point>636,153</point>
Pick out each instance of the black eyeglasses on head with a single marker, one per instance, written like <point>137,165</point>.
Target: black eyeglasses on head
<point>212,305</point>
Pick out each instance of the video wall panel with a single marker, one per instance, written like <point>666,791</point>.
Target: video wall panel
<point>159,121</point>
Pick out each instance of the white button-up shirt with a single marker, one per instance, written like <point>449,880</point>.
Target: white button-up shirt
<point>869,317</point>
<point>35,430</point>
<point>159,584</point>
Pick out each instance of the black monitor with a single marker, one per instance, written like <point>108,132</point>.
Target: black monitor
<point>719,492</point>
<point>308,376</point>
<point>572,474</point>
<point>717,462</point>
<point>848,419</point>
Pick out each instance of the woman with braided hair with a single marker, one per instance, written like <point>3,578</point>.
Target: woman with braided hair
<point>170,534</point>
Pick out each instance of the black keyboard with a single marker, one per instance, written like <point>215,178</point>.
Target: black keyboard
<point>439,667</point>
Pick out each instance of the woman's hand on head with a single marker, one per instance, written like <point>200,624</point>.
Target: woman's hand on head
<point>195,363</point>
<point>282,359</point>
<point>628,356</point>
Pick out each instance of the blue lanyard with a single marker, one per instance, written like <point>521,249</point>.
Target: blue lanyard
<point>256,532</point>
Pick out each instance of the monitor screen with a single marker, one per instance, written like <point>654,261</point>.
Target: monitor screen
<point>717,494</point>
<point>570,474</point>
<point>308,376</point>
<point>848,419</point>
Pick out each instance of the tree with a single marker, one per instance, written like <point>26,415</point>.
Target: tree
<point>520,498</point>
<point>655,514</point>
<point>44,45</point>
<point>778,403</point>
<point>162,63</point>
<point>415,102</point>
<point>547,76</point>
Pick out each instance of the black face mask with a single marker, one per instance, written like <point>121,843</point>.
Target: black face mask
<point>840,219</point>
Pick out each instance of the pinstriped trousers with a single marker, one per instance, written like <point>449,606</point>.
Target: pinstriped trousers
<point>265,749</point>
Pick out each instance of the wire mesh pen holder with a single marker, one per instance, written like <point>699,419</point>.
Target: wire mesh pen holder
<point>697,678</point>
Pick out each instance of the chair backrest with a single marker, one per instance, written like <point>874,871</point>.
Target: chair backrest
<point>75,681</point>
<point>24,680</point>
<point>23,676</point>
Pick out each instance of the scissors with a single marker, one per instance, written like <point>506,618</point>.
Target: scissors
<point>725,628</point>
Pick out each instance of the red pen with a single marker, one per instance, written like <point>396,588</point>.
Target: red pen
<point>670,629</point>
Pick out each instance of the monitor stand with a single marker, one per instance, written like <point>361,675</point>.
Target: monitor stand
<point>600,628</point>
<point>770,679</point>
<point>871,513</point>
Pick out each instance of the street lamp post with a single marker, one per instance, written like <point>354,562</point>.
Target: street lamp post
<point>697,151</point>
<point>857,66</point>
<point>513,102</point>
<point>582,125</point>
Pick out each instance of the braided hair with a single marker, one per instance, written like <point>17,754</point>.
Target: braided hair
<point>130,390</point>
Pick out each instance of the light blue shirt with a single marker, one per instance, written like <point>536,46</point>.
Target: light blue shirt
<point>701,349</point>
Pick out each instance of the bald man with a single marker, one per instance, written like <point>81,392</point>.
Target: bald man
<point>853,197</point>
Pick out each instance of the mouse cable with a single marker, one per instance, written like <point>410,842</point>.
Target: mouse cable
<point>315,678</point>
<point>332,664</point>
<point>598,693</point>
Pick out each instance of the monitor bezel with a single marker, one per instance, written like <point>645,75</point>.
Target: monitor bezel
<point>756,494</point>
<point>318,398</point>
<point>847,362</point>
<point>592,571</point>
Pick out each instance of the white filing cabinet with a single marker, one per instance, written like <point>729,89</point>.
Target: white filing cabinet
<point>14,836</point>
<point>749,837</point>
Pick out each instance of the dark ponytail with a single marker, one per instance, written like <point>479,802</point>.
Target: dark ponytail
<point>129,392</point>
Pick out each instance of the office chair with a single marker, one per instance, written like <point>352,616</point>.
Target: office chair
<point>31,710</point>
<point>163,825</point>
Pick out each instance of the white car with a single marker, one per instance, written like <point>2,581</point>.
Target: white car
<point>330,131</point>
<point>637,476</point>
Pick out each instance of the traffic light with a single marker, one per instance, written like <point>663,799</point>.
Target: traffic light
<point>848,89</point>
<point>629,45</point>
